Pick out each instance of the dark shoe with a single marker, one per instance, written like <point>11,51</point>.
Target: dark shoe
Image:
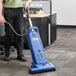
<point>7,58</point>
<point>21,58</point>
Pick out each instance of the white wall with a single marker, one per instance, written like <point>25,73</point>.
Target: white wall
<point>66,11</point>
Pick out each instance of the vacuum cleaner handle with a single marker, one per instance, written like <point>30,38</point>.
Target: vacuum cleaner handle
<point>27,13</point>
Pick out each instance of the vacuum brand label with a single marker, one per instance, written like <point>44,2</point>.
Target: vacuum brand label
<point>35,39</point>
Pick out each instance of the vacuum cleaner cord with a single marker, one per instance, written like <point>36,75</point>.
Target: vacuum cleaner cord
<point>14,30</point>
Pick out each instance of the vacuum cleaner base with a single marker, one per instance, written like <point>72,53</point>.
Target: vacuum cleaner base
<point>39,68</point>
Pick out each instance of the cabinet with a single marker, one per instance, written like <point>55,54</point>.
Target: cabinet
<point>46,26</point>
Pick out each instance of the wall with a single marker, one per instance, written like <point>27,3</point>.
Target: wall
<point>66,11</point>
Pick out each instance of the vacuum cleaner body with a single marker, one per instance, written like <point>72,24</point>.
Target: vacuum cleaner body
<point>40,63</point>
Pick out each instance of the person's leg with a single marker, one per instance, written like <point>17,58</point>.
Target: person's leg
<point>19,27</point>
<point>8,14</point>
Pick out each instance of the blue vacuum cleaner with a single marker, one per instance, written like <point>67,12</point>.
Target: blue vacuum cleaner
<point>40,63</point>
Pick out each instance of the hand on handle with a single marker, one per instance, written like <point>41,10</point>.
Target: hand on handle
<point>27,4</point>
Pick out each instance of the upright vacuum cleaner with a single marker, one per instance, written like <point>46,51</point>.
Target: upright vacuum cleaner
<point>40,63</point>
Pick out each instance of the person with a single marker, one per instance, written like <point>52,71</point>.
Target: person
<point>13,13</point>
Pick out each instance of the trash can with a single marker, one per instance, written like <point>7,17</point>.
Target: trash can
<point>2,32</point>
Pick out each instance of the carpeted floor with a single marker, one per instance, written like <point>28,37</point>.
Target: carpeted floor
<point>62,53</point>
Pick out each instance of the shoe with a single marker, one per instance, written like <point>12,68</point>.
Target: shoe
<point>7,58</point>
<point>21,58</point>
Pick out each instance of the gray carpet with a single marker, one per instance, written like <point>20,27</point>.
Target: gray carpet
<point>62,53</point>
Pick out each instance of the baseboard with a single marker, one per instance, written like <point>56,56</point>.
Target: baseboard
<point>66,26</point>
